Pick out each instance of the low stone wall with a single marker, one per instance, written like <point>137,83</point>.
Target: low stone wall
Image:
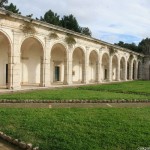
<point>75,101</point>
<point>17,142</point>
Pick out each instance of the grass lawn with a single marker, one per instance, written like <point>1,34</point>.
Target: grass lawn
<point>136,87</point>
<point>79,129</point>
<point>139,90</point>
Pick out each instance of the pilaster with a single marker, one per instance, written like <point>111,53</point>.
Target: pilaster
<point>86,65</point>
<point>69,65</point>
<point>136,71</point>
<point>131,71</point>
<point>110,69</point>
<point>125,71</point>
<point>46,64</point>
<point>118,70</point>
<point>99,78</point>
<point>14,67</point>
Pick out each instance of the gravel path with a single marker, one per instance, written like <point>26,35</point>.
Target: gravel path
<point>72,105</point>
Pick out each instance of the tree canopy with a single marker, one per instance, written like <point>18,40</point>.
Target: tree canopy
<point>3,3</point>
<point>13,8</point>
<point>131,46</point>
<point>51,17</point>
<point>68,22</point>
<point>142,47</point>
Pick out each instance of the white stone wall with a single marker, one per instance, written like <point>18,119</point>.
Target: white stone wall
<point>32,58</point>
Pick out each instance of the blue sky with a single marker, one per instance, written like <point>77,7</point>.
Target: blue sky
<point>109,20</point>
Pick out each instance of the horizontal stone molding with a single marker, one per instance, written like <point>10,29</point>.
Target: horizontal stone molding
<point>75,101</point>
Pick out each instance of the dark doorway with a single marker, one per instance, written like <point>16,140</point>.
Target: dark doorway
<point>133,74</point>
<point>105,76</point>
<point>128,71</point>
<point>6,73</point>
<point>57,73</point>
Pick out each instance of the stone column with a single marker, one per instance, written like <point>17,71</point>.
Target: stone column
<point>110,69</point>
<point>131,70</point>
<point>99,78</point>
<point>69,65</point>
<point>46,64</point>
<point>125,70</point>
<point>15,65</point>
<point>136,71</point>
<point>118,70</point>
<point>86,66</point>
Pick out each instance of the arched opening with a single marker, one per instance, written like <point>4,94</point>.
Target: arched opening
<point>122,68</point>
<point>31,62</point>
<point>58,64</point>
<point>105,66</point>
<point>134,70</point>
<point>114,67</point>
<point>78,66</point>
<point>4,61</point>
<point>93,67</point>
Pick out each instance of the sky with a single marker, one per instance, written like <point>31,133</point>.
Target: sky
<point>109,20</point>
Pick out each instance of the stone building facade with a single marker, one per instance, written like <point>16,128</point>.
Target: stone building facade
<point>36,53</point>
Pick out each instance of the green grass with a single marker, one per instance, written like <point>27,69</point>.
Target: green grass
<point>136,87</point>
<point>136,90</point>
<point>79,129</point>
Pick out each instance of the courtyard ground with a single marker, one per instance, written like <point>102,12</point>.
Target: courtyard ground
<point>79,128</point>
<point>135,90</point>
<point>71,126</point>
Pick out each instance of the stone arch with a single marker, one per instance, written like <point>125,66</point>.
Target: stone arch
<point>80,47</point>
<point>93,66</point>
<point>5,60</point>
<point>58,64</point>
<point>32,55</point>
<point>105,66</point>
<point>58,42</point>
<point>114,67</point>
<point>78,65</point>
<point>33,37</point>
<point>122,68</point>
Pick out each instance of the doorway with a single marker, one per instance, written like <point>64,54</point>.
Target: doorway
<point>6,74</point>
<point>57,73</point>
<point>105,74</point>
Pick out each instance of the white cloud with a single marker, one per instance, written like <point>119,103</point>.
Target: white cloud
<point>114,17</point>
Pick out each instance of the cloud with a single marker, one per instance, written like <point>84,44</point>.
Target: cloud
<point>109,20</point>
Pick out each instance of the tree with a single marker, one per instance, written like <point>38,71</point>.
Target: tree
<point>2,3</point>
<point>51,17</point>
<point>30,16</point>
<point>70,22</point>
<point>12,8</point>
<point>131,46</point>
<point>144,46</point>
<point>86,31</point>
